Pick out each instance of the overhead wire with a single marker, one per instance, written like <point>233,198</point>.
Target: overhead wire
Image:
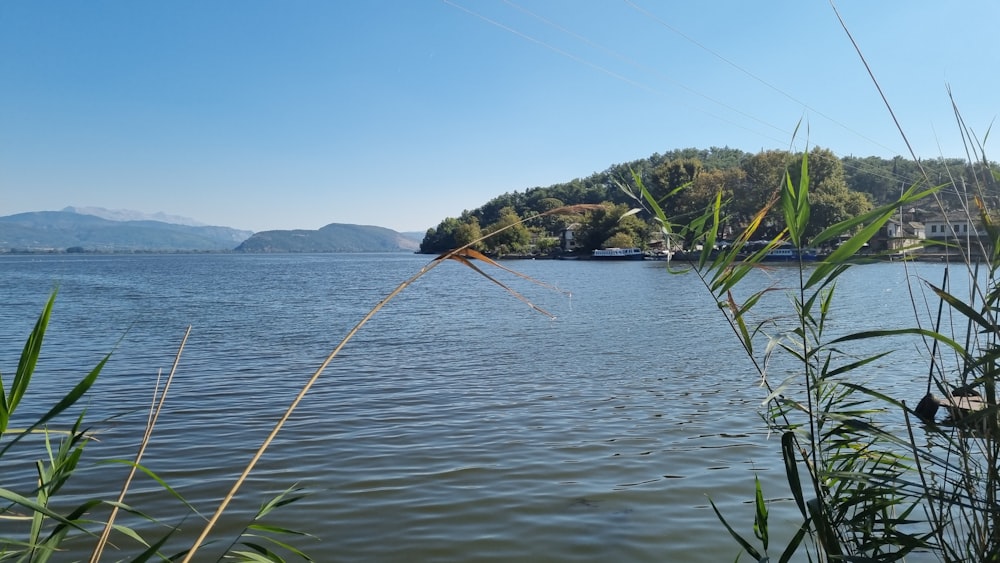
<point>607,71</point>
<point>642,67</point>
<point>746,72</point>
<point>664,76</point>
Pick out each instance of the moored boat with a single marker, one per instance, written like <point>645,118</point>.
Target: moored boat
<point>787,253</point>
<point>618,254</point>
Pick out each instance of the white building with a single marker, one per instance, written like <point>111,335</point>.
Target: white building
<point>954,225</point>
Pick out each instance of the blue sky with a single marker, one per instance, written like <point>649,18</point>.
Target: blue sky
<point>399,113</point>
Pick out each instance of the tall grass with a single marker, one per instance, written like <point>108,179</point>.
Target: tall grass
<point>37,529</point>
<point>36,525</point>
<point>867,488</point>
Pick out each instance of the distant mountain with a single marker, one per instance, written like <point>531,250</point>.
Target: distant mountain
<point>129,215</point>
<point>335,237</point>
<point>415,236</point>
<point>61,230</point>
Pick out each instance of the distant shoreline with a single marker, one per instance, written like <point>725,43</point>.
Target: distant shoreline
<point>64,252</point>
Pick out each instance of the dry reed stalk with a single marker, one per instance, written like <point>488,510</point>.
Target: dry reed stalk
<point>461,255</point>
<point>154,414</point>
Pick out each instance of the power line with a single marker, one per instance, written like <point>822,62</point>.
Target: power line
<point>609,72</point>
<point>753,76</point>
<point>641,66</point>
<point>861,166</point>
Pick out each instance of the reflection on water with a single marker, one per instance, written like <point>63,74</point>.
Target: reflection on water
<point>458,426</point>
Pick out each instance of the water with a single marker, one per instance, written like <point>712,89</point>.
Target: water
<point>458,425</point>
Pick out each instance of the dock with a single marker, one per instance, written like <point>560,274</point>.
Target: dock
<point>958,407</point>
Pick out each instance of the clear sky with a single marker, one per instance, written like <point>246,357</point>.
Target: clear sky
<point>278,115</point>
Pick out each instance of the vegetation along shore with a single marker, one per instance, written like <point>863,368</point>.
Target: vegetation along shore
<point>683,182</point>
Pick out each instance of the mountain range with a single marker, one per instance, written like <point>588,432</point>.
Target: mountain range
<point>94,229</point>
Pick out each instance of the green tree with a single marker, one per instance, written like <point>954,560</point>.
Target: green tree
<point>491,213</point>
<point>440,239</point>
<point>511,234</point>
<point>600,225</point>
<point>551,224</point>
<point>830,200</point>
<point>546,244</point>
<point>764,178</point>
<point>880,178</point>
<point>670,176</point>
<point>702,191</point>
<point>621,239</point>
<point>467,232</point>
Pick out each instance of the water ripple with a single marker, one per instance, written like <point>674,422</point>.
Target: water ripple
<point>457,426</point>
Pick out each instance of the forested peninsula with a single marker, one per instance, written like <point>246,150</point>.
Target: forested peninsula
<point>684,182</point>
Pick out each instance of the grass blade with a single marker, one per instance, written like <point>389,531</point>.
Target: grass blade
<point>25,365</point>
<point>739,539</point>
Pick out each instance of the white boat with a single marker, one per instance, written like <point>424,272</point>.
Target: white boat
<point>618,254</point>
<point>787,253</point>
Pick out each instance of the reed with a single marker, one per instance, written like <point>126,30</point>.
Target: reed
<point>463,255</point>
<point>868,488</point>
<point>46,528</point>
<point>37,526</point>
<point>855,499</point>
<point>866,492</point>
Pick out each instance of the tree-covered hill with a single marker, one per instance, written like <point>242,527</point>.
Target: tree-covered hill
<point>335,237</point>
<point>684,181</point>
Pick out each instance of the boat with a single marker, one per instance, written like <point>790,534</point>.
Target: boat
<point>788,253</point>
<point>782,252</point>
<point>659,255</point>
<point>618,254</point>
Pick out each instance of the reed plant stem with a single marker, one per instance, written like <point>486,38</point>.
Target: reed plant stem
<point>154,415</point>
<point>294,404</point>
<point>460,254</point>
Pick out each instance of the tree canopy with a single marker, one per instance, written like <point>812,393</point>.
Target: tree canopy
<point>684,182</point>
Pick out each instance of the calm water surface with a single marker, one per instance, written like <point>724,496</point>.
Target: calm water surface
<point>459,425</point>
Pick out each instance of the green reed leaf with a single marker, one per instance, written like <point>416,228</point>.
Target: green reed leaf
<point>854,365</point>
<point>739,539</point>
<point>35,507</point>
<point>760,514</point>
<point>154,549</point>
<point>152,475</point>
<point>67,401</point>
<point>801,217</point>
<point>260,553</point>
<point>790,454</point>
<point>284,498</point>
<point>963,308</point>
<point>25,366</point>
<point>285,545</point>
<point>868,334</point>
<point>793,544</point>
<point>711,233</point>
<point>824,532</point>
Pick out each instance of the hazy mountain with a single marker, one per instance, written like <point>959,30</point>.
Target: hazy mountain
<point>415,236</point>
<point>59,230</point>
<point>130,215</point>
<point>335,237</point>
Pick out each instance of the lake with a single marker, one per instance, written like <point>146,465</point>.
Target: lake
<point>458,425</point>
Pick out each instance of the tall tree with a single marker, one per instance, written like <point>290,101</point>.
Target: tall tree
<point>830,200</point>
<point>765,177</point>
<point>442,238</point>
<point>600,227</point>
<point>469,231</point>
<point>511,234</point>
<point>670,176</point>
